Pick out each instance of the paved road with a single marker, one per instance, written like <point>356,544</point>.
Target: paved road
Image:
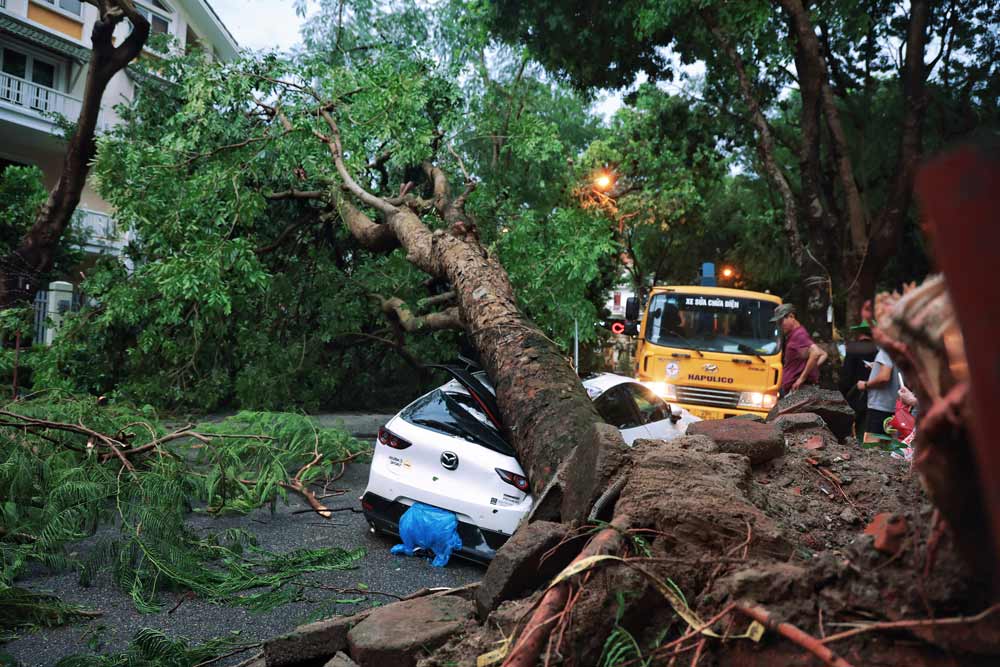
<point>361,425</point>
<point>285,530</point>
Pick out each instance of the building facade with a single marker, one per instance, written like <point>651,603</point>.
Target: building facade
<point>45,49</point>
<point>44,53</point>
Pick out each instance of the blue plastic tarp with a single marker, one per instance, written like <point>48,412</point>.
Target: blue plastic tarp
<point>430,528</point>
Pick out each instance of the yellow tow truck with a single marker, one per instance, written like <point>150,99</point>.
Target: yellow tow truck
<point>710,350</point>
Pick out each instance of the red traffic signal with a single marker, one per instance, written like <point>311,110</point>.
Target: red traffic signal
<point>618,328</point>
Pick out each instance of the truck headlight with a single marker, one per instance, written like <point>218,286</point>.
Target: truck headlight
<point>664,390</point>
<point>756,400</point>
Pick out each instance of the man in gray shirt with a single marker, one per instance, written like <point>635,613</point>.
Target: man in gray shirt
<point>882,386</point>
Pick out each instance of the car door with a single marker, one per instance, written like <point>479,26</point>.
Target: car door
<point>655,413</point>
<point>617,408</point>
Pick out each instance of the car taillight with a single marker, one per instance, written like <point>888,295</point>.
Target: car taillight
<point>513,479</point>
<point>390,439</point>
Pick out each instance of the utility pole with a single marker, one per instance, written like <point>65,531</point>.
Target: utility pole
<point>576,346</point>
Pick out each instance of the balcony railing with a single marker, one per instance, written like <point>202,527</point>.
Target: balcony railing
<point>101,233</point>
<point>40,100</point>
<point>97,225</point>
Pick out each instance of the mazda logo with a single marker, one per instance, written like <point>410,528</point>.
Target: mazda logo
<point>449,460</point>
<point>710,368</point>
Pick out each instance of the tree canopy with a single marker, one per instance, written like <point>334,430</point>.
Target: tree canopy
<point>841,100</point>
<point>248,287</point>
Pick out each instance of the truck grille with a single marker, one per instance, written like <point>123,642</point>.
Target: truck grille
<point>720,398</point>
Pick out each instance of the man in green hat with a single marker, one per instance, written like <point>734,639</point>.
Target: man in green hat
<point>857,357</point>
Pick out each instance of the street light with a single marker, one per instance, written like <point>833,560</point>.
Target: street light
<point>727,272</point>
<point>602,181</point>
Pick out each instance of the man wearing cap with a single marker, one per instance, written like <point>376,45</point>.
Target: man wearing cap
<point>801,357</point>
<point>859,354</point>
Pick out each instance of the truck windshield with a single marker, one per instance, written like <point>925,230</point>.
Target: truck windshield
<point>713,323</point>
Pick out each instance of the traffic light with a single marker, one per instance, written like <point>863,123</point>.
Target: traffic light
<point>621,327</point>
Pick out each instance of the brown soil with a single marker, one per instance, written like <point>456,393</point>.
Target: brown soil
<point>780,535</point>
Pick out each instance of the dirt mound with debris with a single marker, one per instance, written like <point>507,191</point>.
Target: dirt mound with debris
<point>823,492</point>
<point>820,533</point>
<point>827,536</point>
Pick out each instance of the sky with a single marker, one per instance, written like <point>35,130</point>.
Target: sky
<point>260,24</point>
<point>270,24</point>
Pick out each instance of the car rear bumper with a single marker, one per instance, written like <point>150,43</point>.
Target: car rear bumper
<point>478,544</point>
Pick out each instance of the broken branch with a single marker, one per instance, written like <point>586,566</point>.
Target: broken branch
<point>789,631</point>
<point>396,309</point>
<point>917,623</point>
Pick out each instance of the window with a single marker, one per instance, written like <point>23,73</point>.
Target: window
<point>651,407</point>
<point>71,6</point>
<point>158,17</point>
<point>456,415</point>
<point>735,325</point>
<point>23,68</point>
<point>14,63</point>
<point>616,408</point>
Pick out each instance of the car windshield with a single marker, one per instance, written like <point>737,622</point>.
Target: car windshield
<point>456,414</point>
<point>736,325</point>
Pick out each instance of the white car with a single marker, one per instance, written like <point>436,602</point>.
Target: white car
<point>446,449</point>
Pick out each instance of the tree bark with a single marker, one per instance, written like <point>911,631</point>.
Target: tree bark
<point>34,256</point>
<point>871,242</point>
<point>765,142</point>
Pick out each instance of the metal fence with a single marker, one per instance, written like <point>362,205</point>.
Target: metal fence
<point>41,307</point>
<point>41,314</point>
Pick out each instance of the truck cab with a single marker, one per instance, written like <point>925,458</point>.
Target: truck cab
<point>711,350</point>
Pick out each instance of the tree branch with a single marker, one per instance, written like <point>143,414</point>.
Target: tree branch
<point>373,236</point>
<point>765,141</point>
<point>295,194</point>
<point>396,309</point>
<point>813,55</point>
<point>336,150</point>
<point>36,252</point>
<point>235,146</point>
<point>285,233</point>
<point>436,300</point>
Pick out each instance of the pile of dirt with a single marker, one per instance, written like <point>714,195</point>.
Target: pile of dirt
<point>788,535</point>
<point>816,531</point>
<point>824,492</point>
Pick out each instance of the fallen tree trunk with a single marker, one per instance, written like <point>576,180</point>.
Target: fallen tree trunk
<point>546,412</point>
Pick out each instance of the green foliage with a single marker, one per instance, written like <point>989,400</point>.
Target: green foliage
<point>291,438</point>
<point>677,46</point>
<point>58,488</point>
<point>21,195</point>
<point>240,299</point>
<point>552,261</point>
<point>682,202</point>
<point>621,647</point>
<point>27,610</point>
<point>152,648</point>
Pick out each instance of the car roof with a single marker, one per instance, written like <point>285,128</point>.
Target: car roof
<point>601,382</point>
<point>595,384</point>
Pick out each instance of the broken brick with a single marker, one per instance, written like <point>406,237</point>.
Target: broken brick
<point>888,530</point>
<point>815,442</point>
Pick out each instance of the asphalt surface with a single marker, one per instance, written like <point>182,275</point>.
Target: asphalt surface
<point>286,529</point>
